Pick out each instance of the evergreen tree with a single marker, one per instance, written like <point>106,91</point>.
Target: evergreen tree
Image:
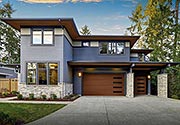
<point>85,30</point>
<point>9,38</point>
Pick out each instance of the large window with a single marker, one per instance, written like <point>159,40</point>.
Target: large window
<point>111,48</point>
<point>42,73</point>
<point>42,36</point>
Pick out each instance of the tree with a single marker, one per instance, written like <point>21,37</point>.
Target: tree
<point>158,24</point>
<point>9,38</point>
<point>85,30</point>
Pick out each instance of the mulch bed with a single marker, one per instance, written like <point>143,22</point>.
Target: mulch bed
<point>7,96</point>
<point>39,99</point>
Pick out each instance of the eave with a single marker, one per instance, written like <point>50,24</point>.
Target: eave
<point>145,51</point>
<point>69,25</point>
<point>136,66</point>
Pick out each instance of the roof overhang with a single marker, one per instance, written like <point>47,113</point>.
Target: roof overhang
<point>70,26</point>
<point>145,51</point>
<point>136,66</point>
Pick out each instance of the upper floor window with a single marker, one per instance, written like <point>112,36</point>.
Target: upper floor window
<point>111,48</point>
<point>85,44</point>
<point>42,37</point>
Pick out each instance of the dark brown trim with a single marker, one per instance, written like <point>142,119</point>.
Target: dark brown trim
<point>69,25</point>
<point>145,51</point>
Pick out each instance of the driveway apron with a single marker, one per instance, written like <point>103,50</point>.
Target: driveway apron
<point>115,110</point>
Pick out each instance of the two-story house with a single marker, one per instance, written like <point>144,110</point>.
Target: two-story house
<point>55,59</point>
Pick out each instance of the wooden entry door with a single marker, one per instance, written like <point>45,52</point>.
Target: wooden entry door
<point>140,85</point>
<point>103,84</point>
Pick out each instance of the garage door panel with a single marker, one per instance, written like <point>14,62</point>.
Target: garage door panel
<point>103,84</point>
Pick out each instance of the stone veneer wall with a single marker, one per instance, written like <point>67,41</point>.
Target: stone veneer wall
<point>130,85</point>
<point>60,90</point>
<point>162,87</point>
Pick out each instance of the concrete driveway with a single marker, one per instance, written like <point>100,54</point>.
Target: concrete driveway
<point>102,110</point>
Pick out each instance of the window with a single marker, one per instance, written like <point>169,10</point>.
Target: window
<point>42,73</point>
<point>85,44</point>
<point>42,37</point>
<point>48,37</point>
<point>111,48</point>
<point>31,73</point>
<point>37,37</point>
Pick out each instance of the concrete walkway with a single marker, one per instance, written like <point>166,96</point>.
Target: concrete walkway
<point>143,110</point>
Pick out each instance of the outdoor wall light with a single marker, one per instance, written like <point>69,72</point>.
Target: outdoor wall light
<point>149,77</point>
<point>79,74</point>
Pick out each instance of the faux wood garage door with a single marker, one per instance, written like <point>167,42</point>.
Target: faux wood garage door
<point>140,85</point>
<point>103,84</point>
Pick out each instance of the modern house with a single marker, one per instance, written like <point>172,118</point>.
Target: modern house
<point>56,59</point>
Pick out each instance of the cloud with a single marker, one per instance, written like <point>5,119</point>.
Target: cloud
<point>58,1</point>
<point>0,1</point>
<point>116,17</point>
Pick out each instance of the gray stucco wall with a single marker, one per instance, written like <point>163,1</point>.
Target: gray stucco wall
<point>92,54</point>
<point>68,52</point>
<point>77,82</point>
<point>30,53</point>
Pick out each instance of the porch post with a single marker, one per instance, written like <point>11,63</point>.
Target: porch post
<point>130,85</point>
<point>162,82</point>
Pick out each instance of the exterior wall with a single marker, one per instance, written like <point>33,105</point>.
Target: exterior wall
<point>60,90</point>
<point>162,85</point>
<point>92,54</point>
<point>77,82</point>
<point>32,53</point>
<point>134,59</point>
<point>130,85</point>
<point>68,51</point>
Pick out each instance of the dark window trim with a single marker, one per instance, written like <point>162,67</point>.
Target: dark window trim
<point>42,30</point>
<point>47,73</point>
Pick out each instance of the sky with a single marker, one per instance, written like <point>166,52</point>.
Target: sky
<point>103,17</point>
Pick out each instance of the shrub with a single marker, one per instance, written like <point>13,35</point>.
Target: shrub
<point>5,119</point>
<point>43,97</point>
<point>5,94</point>
<point>20,96</point>
<point>53,96</point>
<point>31,96</point>
<point>174,97</point>
<point>15,92</point>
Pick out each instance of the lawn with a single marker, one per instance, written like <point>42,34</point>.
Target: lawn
<point>28,112</point>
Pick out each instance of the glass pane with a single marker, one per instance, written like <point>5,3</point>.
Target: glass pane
<point>120,48</point>
<point>42,74</point>
<point>103,47</point>
<point>53,73</point>
<point>85,43</point>
<point>113,51</point>
<point>31,73</point>
<point>37,37</point>
<point>48,37</point>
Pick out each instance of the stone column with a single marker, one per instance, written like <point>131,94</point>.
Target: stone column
<point>162,82</point>
<point>130,85</point>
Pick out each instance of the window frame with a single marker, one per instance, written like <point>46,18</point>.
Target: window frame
<point>42,37</point>
<point>111,43</point>
<point>47,72</point>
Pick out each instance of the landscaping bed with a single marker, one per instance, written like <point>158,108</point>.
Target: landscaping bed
<point>53,97</point>
<point>8,94</point>
<point>18,114</point>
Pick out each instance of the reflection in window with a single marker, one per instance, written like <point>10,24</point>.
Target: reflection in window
<point>111,48</point>
<point>31,73</point>
<point>37,37</point>
<point>42,74</point>
<point>48,37</point>
<point>53,73</point>
<point>85,44</point>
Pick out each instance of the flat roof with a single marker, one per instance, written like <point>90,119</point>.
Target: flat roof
<point>70,26</point>
<point>144,66</point>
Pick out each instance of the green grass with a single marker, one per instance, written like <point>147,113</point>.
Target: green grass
<point>28,112</point>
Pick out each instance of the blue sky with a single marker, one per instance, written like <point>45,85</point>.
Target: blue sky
<point>102,16</point>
